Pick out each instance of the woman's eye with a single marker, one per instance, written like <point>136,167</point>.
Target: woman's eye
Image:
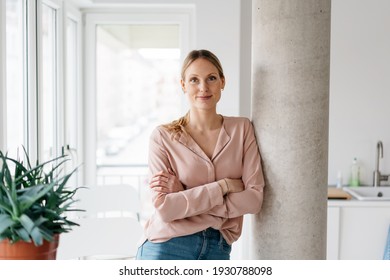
<point>193,80</point>
<point>212,78</point>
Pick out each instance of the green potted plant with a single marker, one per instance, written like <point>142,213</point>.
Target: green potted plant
<point>34,201</point>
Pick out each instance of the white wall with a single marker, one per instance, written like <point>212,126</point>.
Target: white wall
<point>359,87</point>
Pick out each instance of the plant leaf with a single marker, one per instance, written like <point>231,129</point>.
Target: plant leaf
<point>13,203</point>
<point>26,222</point>
<point>47,234</point>
<point>5,222</point>
<point>32,229</point>
<point>7,174</point>
<point>3,165</point>
<point>23,234</point>
<point>35,172</point>
<point>5,207</point>
<point>33,194</point>
<point>40,221</point>
<point>36,236</point>
<point>27,157</point>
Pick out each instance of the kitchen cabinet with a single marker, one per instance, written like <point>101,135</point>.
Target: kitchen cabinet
<point>357,230</point>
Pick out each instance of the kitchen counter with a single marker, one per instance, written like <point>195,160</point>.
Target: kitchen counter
<point>356,203</point>
<point>357,229</point>
<point>351,201</point>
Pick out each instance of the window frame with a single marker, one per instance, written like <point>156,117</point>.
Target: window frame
<point>76,152</point>
<point>58,97</point>
<point>28,10</point>
<point>3,101</point>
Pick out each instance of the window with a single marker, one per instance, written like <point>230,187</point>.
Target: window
<point>48,99</point>
<point>72,95</point>
<point>71,82</point>
<point>33,46</point>
<point>15,76</point>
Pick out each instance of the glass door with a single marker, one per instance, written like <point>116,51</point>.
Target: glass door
<point>132,84</point>
<point>137,85</point>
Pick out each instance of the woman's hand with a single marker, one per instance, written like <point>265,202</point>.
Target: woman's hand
<point>235,185</point>
<point>166,182</point>
<point>231,185</point>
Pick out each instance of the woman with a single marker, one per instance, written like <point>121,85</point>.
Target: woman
<point>206,172</point>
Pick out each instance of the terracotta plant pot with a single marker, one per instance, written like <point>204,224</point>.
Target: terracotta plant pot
<point>28,251</point>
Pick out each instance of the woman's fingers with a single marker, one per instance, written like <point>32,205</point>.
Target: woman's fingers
<point>161,189</point>
<point>161,178</point>
<point>167,181</point>
<point>159,186</point>
<point>159,183</point>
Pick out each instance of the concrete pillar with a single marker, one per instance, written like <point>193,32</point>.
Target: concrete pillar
<point>290,111</point>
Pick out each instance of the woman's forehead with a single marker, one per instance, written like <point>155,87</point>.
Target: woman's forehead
<point>201,66</point>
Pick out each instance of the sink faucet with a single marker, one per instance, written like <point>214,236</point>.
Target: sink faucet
<point>377,174</point>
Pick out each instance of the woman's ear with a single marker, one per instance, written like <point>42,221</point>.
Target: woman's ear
<point>183,86</point>
<point>223,83</point>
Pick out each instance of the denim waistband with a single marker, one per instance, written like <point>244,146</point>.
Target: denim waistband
<point>209,232</point>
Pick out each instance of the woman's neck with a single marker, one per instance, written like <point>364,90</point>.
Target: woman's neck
<point>204,120</point>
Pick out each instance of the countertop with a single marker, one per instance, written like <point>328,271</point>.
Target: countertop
<point>356,203</point>
<point>353,202</point>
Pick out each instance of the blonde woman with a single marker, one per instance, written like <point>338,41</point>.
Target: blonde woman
<point>206,172</point>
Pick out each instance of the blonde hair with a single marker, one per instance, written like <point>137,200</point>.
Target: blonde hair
<point>195,54</point>
<point>177,126</point>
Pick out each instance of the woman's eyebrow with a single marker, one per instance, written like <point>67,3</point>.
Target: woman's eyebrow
<point>193,74</point>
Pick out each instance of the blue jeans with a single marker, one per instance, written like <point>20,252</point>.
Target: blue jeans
<point>208,244</point>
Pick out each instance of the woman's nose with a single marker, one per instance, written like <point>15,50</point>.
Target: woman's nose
<point>203,86</point>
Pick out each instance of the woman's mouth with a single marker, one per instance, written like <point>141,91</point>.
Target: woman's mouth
<point>206,97</point>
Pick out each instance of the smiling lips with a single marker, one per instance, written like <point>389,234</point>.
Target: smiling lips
<point>207,97</point>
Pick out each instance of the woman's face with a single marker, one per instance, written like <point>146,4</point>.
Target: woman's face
<point>202,84</point>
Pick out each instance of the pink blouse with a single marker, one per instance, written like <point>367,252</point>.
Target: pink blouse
<point>201,203</point>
